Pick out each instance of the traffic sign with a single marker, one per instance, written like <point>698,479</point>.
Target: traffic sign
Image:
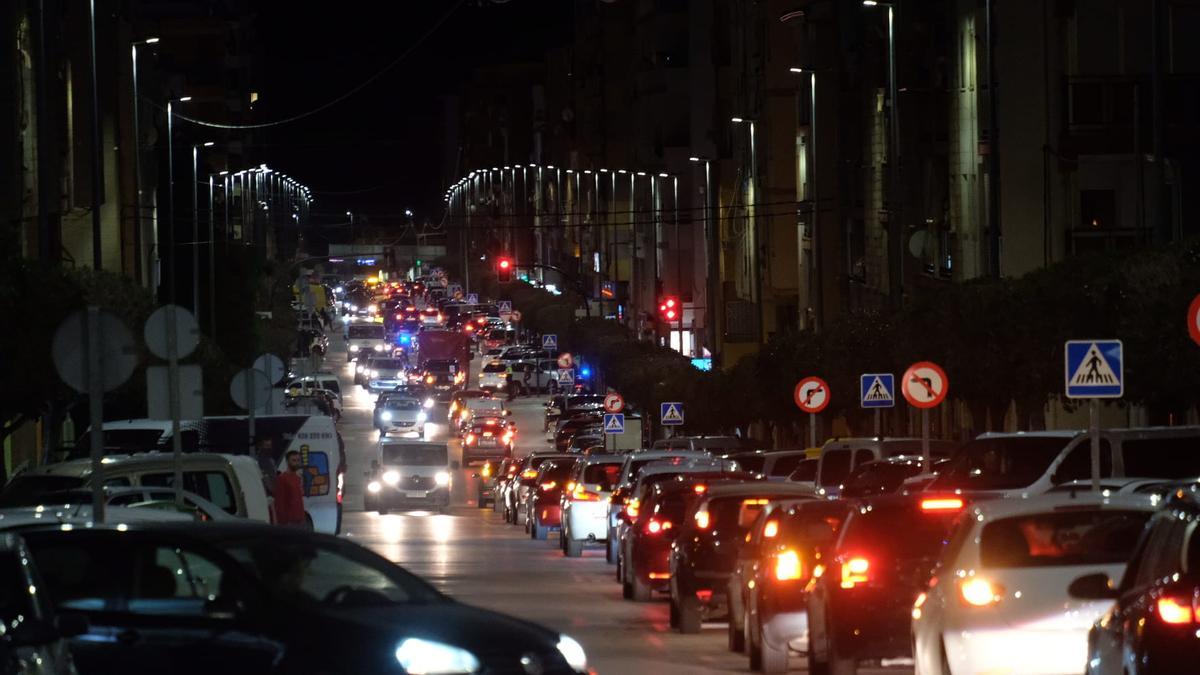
<point>506,306</point>
<point>671,414</point>
<point>550,341</point>
<point>614,423</point>
<point>925,384</point>
<point>566,376</point>
<point>1095,369</point>
<point>565,360</point>
<point>1194,319</point>
<point>187,332</point>
<point>877,390</point>
<point>472,298</point>
<point>118,353</point>
<point>614,403</point>
<point>454,289</point>
<point>811,394</point>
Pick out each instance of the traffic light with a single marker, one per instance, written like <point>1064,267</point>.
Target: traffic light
<point>669,309</point>
<point>504,270</point>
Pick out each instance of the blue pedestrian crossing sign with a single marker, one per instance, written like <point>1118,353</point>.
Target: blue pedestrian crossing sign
<point>614,423</point>
<point>506,306</point>
<point>877,390</point>
<point>550,341</point>
<point>1095,369</point>
<point>671,414</point>
<point>472,298</point>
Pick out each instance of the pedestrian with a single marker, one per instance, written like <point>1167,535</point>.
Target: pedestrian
<point>264,452</point>
<point>289,494</point>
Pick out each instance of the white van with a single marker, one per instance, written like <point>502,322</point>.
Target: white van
<point>1032,463</point>
<point>840,456</point>
<point>232,482</point>
<point>365,338</point>
<point>410,474</point>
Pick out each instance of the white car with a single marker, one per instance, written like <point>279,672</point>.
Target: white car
<point>491,377</point>
<point>998,601</point>
<point>585,506</point>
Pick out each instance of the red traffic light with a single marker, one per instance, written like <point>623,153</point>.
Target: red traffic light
<point>504,270</point>
<point>668,308</point>
<point>505,263</point>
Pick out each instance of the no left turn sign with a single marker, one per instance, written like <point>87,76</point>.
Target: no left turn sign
<point>614,403</point>
<point>811,394</point>
<point>925,384</point>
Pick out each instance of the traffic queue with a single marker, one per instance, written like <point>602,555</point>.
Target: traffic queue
<point>998,555</point>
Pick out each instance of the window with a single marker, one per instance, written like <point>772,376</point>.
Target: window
<point>80,572</point>
<point>835,467</point>
<point>168,580</point>
<point>806,471</point>
<point>1000,463</point>
<point>605,475</point>
<point>1162,457</point>
<point>1078,464</point>
<point>1160,557</point>
<point>1062,539</point>
<point>862,456</point>
<point>214,486</point>
<point>785,465</point>
<point>395,454</point>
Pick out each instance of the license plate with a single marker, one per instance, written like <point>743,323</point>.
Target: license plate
<point>414,494</point>
<point>487,441</point>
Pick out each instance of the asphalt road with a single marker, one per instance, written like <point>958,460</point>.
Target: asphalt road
<point>473,556</point>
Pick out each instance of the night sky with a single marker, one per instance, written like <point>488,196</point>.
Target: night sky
<point>380,150</point>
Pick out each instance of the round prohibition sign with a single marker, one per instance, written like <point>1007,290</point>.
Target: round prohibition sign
<point>614,403</point>
<point>1194,319</point>
<point>925,384</point>
<point>811,394</point>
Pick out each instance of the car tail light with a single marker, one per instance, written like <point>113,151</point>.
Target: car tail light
<point>548,485</point>
<point>469,439</point>
<point>771,529</point>
<point>341,485</point>
<point>920,602</point>
<point>428,379</point>
<point>755,502</point>
<point>579,494</point>
<point>855,572</point>
<point>700,488</point>
<point>529,473</point>
<point>703,519</point>
<point>1175,611</point>
<point>487,470</point>
<point>570,486</point>
<point>631,509</point>
<point>941,504</point>
<point>654,526</point>
<point>787,565</point>
<point>979,592</point>
<point>490,423</point>
<point>704,596</point>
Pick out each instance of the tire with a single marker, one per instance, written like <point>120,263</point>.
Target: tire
<point>610,552</point>
<point>771,659</point>
<point>572,548</point>
<point>816,667</point>
<point>755,655</point>
<point>641,590</point>
<point>737,639</point>
<point>481,502</point>
<point>674,614</point>
<point>539,532</point>
<point>689,615</point>
<point>381,510</point>
<point>626,590</point>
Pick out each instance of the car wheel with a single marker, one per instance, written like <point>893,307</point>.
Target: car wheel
<point>771,659</point>
<point>815,665</point>
<point>641,590</point>
<point>382,510</point>
<point>753,651</point>
<point>610,552</point>
<point>674,614</point>
<point>481,502</point>
<point>737,639</point>
<point>539,532</point>
<point>626,590</point>
<point>689,614</point>
<point>573,548</point>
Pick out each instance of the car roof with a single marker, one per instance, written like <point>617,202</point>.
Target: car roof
<point>660,453</point>
<point>83,466</point>
<point>72,516</point>
<point>766,488</point>
<point>1031,434</point>
<point>992,509</point>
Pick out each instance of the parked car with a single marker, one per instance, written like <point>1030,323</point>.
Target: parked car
<point>999,598</point>
<point>256,599</point>
<point>884,476</point>
<point>35,640</point>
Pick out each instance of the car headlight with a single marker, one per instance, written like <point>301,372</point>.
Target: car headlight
<point>374,373</point>
<point>353,308</point>
<point>374,486</point>
<point>442,478</point>
<point>372,308</point>
<point>339,289</point>
<point>353,348</point>
<point>429,402</point>
<point>426,656</point>
<point>573,653</point>
<point>391,477</point>
<point>379,348</point>
<point>422,416</point>
<point>386,416</point>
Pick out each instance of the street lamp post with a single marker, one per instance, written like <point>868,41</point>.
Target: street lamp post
<point>196,228</point>
<point>710,238</point>
<point>171,277</point>
<point>137,168</point>
<point>895,228</point>
<point>754,230</point>
<point>815,281</point>
<point>212,255</point>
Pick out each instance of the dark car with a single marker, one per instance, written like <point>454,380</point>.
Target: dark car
<point>576,424</point>
<point>774,606</point>
<point>646,548</point>
<point>490,476</point>
<point>545,508</point>
<point>524,483</point>
<point>176,598</point>
<point>1155,619</point>
<point>884,476</point>
<point>706,551</point>
<point>558,407</point>
<point>33,633</point>
<point>488,438</point>
<point>860,608</point>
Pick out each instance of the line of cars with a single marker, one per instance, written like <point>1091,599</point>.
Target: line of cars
<point>996,556</point>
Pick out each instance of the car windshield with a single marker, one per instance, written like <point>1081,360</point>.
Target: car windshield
<point>32,490</point>
<point>1000,463</point>
<point>1098,537</point>
<point>413,454</point>
<point>327,572</point>
<point>388,364</point>
<point>372,331</point>
<point>750,463</point>
<point>875,478</point>
<point>402,404</point>
<point>605,475</point>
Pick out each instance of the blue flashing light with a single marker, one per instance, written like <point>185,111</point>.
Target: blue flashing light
<point>585,372</point>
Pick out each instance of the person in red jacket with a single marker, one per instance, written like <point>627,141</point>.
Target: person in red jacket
<point>289,494</point>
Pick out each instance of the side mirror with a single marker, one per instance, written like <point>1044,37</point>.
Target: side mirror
<point>1092,587</point>
<point>455,465</point>
<point>70,624</point>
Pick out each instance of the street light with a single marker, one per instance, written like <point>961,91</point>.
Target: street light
<point>137,170</point>
<point>710,254</point>
<point>196,228</point>
<point>895,247</point>
<point>816,281</point>
<point>750,210</point>
<point>171,190</point>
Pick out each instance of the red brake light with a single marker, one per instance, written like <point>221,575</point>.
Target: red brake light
<point>529,473</point>
<point>654,526</point>
<point>941,504</point>
<point>1175,612</point>
<point>700,488</point>
<point>787,566</point>
<point>549,485</point>
<point>854,572</point>
<point>771,529</point>
<point>469,439</point>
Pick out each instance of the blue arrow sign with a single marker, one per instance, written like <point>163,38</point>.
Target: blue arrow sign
<point>614,423</point>
<point>671,414</point>
<point>1095,369</point>
<point>877,390</point>
<point>550,341</point>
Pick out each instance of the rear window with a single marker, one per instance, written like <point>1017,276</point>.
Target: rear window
<point>1162,457</point>
<point>835,467</point>
<point>806,471</point>
<point>751,463</point>
<point>366,331</point>
<point>1062,539</point>
<point>605,475</point>
<point>495,368</point>
<point>395,454</point>
<point>786,465</point>
<point>30,490</point>
<point>876,478</point>
<point>557,470</point>
<point>1005,463</point>
<point>738,512</point>
<point>874,532</point>
<point>211,485</point>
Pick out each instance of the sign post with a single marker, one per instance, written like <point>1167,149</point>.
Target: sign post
<point>877,391</point>
<point>924,386</point>
<point>811,396</point>
<point>1095,369</point>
